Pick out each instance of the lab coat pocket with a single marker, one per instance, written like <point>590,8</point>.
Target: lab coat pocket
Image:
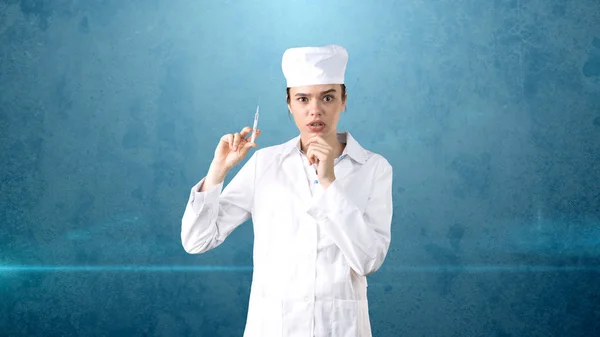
<point>345,318</point>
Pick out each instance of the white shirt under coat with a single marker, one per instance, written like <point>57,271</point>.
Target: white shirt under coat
<point>313,248</point>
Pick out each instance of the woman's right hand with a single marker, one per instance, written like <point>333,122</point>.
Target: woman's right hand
<point>232,149</point>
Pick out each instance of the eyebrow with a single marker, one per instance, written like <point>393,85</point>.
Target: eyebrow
<point>322,93</point>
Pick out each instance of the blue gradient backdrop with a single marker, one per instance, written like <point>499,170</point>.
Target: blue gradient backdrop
<point>489,112</point>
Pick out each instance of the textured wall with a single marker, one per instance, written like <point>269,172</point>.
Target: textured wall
<point>489,112</point>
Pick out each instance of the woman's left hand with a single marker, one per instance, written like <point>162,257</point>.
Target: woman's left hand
<point>321,153</point>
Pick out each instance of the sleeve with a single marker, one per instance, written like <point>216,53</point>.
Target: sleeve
<point>210,216</point>
<point>363,237</point>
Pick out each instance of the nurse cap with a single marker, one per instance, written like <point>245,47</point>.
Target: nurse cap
<point>314,65</point>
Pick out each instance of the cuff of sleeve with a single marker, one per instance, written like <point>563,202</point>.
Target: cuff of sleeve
<point>329,201</point>
<point>199,199</point>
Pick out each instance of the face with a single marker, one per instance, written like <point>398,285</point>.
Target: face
<point>316,109</point>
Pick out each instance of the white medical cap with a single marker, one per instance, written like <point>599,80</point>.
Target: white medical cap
<point>314,65</point>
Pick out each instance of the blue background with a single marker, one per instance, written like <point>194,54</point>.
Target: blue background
<point>489,112</point>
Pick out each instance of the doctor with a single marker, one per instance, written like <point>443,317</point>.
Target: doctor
<point>320,203</point>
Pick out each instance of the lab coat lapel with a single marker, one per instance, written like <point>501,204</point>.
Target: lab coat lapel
<point>356,154</point>
<point>344,168</point>
<point>297,182</point>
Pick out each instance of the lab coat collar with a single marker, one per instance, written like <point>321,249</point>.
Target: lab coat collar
<point>353,149</point>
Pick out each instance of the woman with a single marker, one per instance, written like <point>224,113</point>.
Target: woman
<point>321,207</point>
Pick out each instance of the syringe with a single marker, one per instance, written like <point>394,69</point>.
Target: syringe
<point>254,126</point>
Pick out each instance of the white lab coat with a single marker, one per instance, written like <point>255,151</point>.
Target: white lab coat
<point>313,248</point>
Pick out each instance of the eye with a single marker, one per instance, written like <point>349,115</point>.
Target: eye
<point>328,98</point>
<point>302,99</point>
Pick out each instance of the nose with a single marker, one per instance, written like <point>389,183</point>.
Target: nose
<point>315,108</point>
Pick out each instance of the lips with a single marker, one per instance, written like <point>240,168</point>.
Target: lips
<point>316,126</point>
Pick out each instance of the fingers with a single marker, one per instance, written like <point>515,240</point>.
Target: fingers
<point>228,139</point>
<point>240,138</point>
<point>315,154</point>
<point>245,131</point>
<point>325,151</point>
<point>325,148</point>
<point>318,143</point>
<point>257,134</point>
<point>247,147</point>
<point>316,140</point>
<point>318,151</point>
<point>245,139</point>
<point>234,140</point>
<point>311,157</point>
